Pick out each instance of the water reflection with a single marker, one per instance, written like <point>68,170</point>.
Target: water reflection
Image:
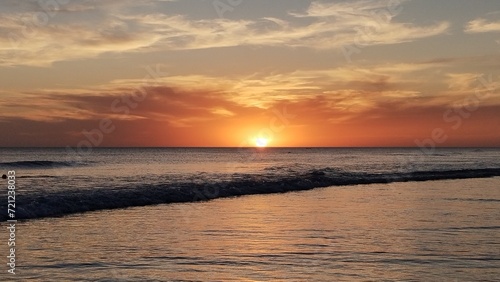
<point>403,231</point>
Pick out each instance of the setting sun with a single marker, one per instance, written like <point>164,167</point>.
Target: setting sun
<point>261,142</point>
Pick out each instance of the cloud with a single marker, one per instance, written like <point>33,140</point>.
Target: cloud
<point>191,99</point>
<point>314,124</point>
<point>471,85</point>
<point>369,103</point>
<point>461,81</point>
<point>482,25</point>
<point>39,37</point>
<point>363,84</point>
<point>43,45</point>
<point>155,103</point>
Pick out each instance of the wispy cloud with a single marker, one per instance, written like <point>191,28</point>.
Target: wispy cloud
<point>482,25</point>
<point>381,102</point>
<point>204,118</point>
<point>262,90</point>
<point>90,29</point>
<point>184,100</point>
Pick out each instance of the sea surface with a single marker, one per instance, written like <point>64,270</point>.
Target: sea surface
<point>171,214</point>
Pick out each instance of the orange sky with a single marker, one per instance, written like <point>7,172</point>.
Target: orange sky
<point>297,73</point>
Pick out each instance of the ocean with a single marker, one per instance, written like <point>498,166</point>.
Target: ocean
<point>174,214</point>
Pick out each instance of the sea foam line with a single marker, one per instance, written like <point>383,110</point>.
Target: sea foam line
<point>77,201</point>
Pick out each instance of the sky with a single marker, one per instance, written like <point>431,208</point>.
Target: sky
<point>360,73</point>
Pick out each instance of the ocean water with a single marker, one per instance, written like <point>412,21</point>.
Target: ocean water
<point>55,182</point>
<point>142,215</point>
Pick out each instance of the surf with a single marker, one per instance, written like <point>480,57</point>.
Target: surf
<point>60,203</point>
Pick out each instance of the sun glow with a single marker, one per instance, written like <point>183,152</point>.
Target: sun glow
<point>261,142</point>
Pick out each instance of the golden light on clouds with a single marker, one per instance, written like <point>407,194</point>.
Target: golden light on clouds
<point>169,73</point>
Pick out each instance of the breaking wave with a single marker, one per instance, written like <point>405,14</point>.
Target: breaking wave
<point>40,164</point>
<point>39,205</point>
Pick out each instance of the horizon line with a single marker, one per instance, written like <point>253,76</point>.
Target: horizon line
<point>254,147</point>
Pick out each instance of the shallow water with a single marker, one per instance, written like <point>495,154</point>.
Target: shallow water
<point>414,231</point>
<point>54,182</point>
<point>59,169</point>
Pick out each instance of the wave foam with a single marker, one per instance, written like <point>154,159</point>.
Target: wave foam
<point>77,201</point>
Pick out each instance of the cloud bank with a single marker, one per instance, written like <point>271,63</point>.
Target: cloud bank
<point>39,37</point>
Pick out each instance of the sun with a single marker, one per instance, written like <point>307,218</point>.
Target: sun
<point>261,142</point>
